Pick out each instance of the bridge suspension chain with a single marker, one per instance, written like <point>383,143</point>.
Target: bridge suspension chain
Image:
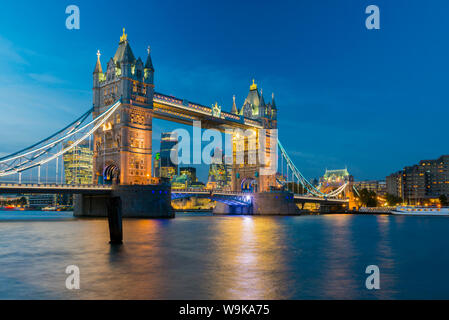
<point>54,146</point>
<point>309,187</point>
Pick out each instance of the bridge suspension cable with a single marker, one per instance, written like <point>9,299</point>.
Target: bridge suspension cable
<point>295,173</point>
<point>54,146</point>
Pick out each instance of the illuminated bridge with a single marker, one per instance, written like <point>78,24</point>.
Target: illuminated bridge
<point>118,129</point>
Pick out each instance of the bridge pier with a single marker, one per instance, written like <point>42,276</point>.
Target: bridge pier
<point>130,201</point>
<point>263,203</point>
<point>333,208</point>
<point>137,201</point>
<point>224,208</point>
<point>275,203</point>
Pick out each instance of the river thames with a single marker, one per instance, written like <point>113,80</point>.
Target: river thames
<point>199,256</point>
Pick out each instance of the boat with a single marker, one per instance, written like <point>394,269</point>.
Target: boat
<point>49,209</point>
<point>7,208</point>
<point>421,211</point>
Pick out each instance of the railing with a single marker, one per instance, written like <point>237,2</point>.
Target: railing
<point>47,185</point>
<point>184,104</point>
<point>376,209</point>
<point>207,191</point>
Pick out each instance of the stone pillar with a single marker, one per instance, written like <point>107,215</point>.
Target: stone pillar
<point>137,201</point>
<point>274,203</point>
<point>263,203</point>
<point>114,207</point>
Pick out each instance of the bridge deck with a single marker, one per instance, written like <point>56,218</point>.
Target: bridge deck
<point>308,199</point>
<point>54,188</point>
<point>106,189</point>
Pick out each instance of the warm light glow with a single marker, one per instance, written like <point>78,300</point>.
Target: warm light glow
<point>253,86</point>
<point>124,37</point>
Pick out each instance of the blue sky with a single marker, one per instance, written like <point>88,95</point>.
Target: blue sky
<point>371,100</point>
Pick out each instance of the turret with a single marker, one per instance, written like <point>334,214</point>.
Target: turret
<point>252,103</point>
<point>273,107</point>
<point>262,106</point>
<point>124,59</point>
<point>149,69</point>
<point>97,77</point>
<point>234,106</point>
<point>149,77</point>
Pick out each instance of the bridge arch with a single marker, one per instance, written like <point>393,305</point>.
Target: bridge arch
<point>249,185</point>
<point>111,174</point>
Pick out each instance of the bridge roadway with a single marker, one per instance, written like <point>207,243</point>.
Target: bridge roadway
<point>54,188</point>
<point>233,197</point>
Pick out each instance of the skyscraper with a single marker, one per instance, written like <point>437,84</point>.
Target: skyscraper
<point>169,142</point>
<point>190,172</point>
<point>421,183</point>
<point>78,164</point>
<point>157,165</point>
<point>219,173</point>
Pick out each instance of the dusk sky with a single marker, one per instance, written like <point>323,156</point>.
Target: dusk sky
<point>372,100</point>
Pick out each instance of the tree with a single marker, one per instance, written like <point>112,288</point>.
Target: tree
<point>368,198</point>
<point>443,200</point>
<point>393,200</point>
<point>23,201</point>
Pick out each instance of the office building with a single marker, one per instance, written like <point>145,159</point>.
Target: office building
<point>78,167</point>
<point>168,167</point>
<point>422,183</point>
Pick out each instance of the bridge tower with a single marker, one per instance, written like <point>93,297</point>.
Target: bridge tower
<point>122,147</point>
<point>257,148</point>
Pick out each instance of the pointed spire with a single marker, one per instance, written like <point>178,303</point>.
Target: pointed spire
<point>234,106</point>
<point>124,54</point>
<point>262,101</point>
<point>149,63</point>
<point>98,68</point>
<point>273,103</point>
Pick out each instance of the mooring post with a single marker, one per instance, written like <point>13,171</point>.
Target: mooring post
<point>115,220</point>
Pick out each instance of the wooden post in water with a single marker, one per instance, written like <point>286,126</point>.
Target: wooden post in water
<point>115,220</point>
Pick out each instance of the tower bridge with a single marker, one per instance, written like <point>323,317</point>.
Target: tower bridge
<point>119,126</point>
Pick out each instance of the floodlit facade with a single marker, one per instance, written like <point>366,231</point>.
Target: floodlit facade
<point>422,183</point>
<point>379,187</point>
<point>78,166</point>
<point>169,142</point>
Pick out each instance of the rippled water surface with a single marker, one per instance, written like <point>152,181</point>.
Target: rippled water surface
<point>197,256</point>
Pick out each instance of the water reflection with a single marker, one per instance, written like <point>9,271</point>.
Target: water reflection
<point>248,258</point>
<point>207,257</point>
<point>339,259</point>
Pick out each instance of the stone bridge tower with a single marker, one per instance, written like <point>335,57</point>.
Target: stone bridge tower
<point>122,147</point>
<point>257,148</point>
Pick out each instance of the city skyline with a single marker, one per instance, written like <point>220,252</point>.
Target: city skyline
<point>336,83</point>
<point>203,153</point>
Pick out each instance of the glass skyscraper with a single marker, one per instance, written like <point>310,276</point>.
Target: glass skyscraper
<point>168,169</point>
<point>78,167</point>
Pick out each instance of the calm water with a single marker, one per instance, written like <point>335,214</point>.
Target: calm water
<point>207,257</point>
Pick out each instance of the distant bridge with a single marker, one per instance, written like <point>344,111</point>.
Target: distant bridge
<point>54,188</point>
